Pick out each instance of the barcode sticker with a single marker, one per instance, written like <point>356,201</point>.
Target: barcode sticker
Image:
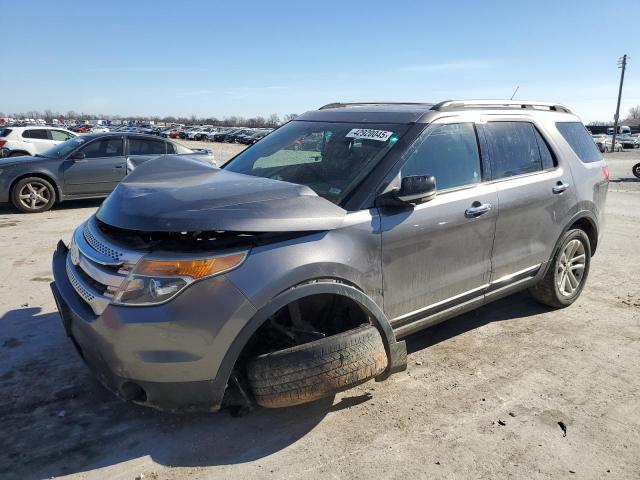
<point>366,133</point>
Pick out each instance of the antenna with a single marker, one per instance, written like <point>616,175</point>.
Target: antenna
<point>514,93</point>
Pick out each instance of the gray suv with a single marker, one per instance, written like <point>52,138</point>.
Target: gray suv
<point>294,271</point>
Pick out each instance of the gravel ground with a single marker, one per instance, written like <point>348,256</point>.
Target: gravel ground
<point>512,390</point>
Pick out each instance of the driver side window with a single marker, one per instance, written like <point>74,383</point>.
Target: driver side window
<point>449,152</point>
<point>107,147</point>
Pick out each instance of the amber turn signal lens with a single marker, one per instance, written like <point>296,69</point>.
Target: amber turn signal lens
<point>194,268</point>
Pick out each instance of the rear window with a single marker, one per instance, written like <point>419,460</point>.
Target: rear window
<point>516,149</point>
<point>5,132</point>
<point>143,146</point>
<point>37,134</point>
<point>580,141</point>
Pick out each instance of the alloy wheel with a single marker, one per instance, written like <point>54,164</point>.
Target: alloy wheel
<point>570,268</point>
<point>34,195</point>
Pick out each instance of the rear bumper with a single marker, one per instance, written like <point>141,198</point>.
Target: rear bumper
<point>165,356</point>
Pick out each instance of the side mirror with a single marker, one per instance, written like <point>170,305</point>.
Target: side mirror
<point>416,189</point>
<point>77,156</point>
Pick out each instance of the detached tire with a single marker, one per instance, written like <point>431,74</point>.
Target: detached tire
<point>315,370</point>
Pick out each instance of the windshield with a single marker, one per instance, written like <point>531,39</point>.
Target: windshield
<point>65,148</point>
<point>329,157</point>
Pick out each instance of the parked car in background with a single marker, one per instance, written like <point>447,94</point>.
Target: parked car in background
<point>608,147</point>
<point>200,133</point>
<point>233,137</point>
<point>184,133</point>
<point>87,166</point>
<point>219,134</point>
<point>223,134</point>
<point>19,141</point>
<point>600,142</point>
<point>251,139</point>
<point>628,141</point>
<point>99,129</point>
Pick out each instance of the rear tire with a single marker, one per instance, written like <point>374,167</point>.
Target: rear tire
<point>636,170</point>
<point>319,369</point>
<point>567,273</point>
<point>33,195</point>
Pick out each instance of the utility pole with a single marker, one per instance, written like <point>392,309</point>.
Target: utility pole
<point>622,63</point>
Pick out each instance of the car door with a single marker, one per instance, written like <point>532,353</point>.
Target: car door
<point>142,149</point>
<point>535,197</point>
<point>99,171</point>
<point>438,253</point>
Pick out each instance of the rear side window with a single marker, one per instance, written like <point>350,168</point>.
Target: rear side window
<point>448,152</point>
<point>170,148</point>
<point>580,141</point>
<point>5,132</point>
<point>516,148</point>
<point>143,146</point>
<point>36,133</point>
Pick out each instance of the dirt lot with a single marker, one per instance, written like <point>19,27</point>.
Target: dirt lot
<point>484,396</point>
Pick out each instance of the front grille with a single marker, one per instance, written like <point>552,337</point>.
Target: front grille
<point>98,245</point>
<point>86,295</point>
<point>96,267</point>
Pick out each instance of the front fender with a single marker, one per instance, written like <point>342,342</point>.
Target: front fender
<point>396,351</point>
<point>12,175</point>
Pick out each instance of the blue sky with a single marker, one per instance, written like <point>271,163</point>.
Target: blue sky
<point>250,58</point>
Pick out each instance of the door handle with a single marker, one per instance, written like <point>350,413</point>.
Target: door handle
<point>560,187</point>
<point>119,166</point>
<point>477,209</point>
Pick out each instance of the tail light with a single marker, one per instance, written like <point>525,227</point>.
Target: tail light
<point>605,172</point>
<point>2,142</point>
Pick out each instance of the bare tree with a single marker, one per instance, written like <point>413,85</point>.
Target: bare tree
<point>274,120</point>
<point>634,112</point>
<point>289,116</point>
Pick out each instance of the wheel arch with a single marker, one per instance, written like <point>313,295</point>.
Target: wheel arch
<point>588,224</point>
<point>396,351</point>
<point>20,150</point>
<point>585,221</point>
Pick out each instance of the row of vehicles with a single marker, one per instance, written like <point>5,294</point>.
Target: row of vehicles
<point>244,135</point>
<point>624,140</point>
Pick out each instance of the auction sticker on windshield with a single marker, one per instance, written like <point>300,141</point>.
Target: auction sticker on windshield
<point>366,133</point>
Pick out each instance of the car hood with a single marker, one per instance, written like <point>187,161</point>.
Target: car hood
<point>182,194</point>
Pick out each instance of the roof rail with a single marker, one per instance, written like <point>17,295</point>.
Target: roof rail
<point>364,104</point>
<point>499,104</point>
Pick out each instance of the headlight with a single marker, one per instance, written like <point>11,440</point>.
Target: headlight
<point>155,281</point>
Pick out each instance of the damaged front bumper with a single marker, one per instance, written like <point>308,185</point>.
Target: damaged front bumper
<point>165,356</point>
